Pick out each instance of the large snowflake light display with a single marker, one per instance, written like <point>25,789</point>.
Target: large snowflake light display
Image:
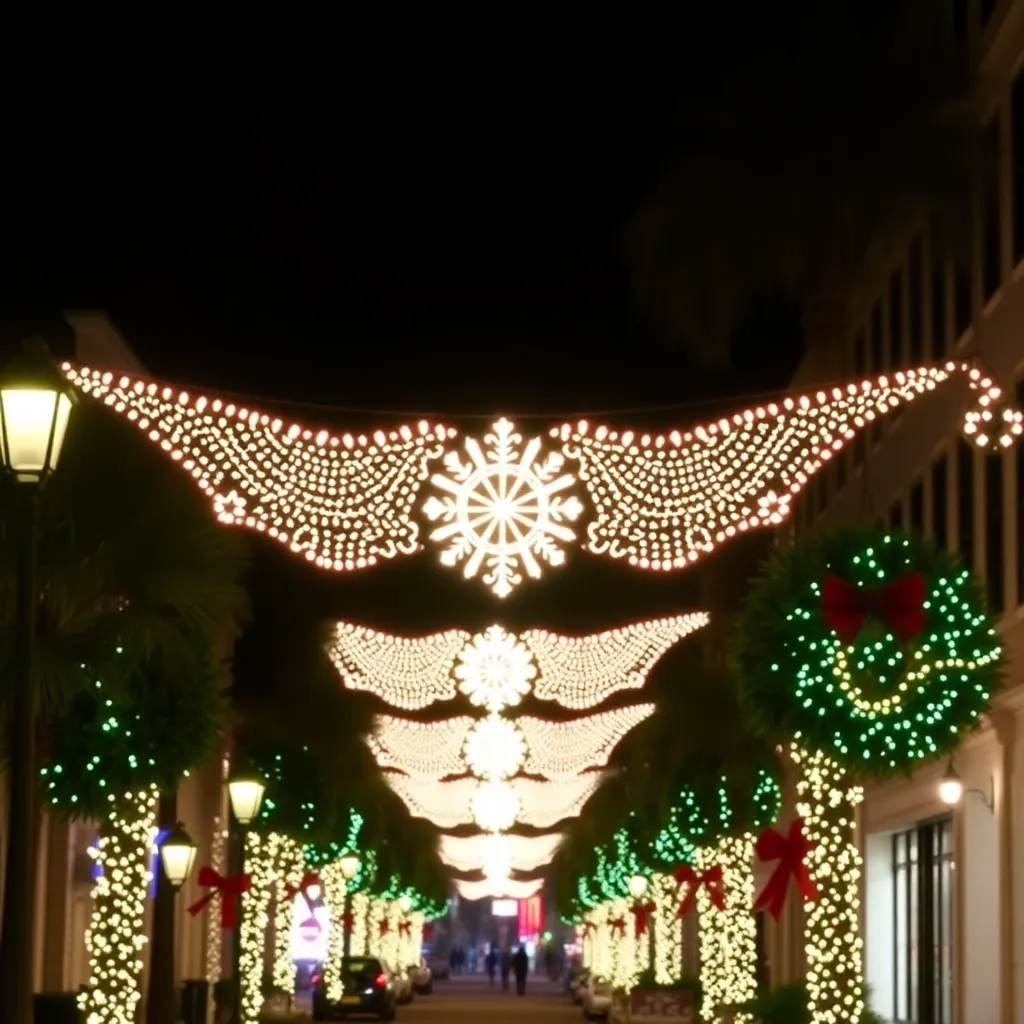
<point>503,508</point>
<point>521,853</point>
<point>512,888</point>
<point>495,748</point>
<point>495,670</point>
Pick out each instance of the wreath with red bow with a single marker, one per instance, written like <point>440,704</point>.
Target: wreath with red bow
<point>869,645</point>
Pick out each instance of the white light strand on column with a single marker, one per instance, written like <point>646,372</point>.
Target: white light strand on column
<point>562,750</point>
<point>116,935</point>
<point>289,872</point>
<point>407,673</point>
<point>422,749</point>
<point>827,800</point>
<point>214,933</point>
<point>582,672</point>
<point>668,930</point>
<point>260,855</point>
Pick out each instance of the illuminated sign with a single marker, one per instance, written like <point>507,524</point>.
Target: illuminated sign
<point>505,908</point>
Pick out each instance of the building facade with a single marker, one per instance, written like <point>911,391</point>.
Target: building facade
<point>943,894</point>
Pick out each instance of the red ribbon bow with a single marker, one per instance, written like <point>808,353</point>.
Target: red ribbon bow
<point>405,928</point>
<point>619,925</point>
<point>710,879</point>
<point>589,927</point>
<point>899,604</point>
<point>310,879</point>
<point>789,850</point>
<point>229,888</point>
<point>641,916</point>
<point>385,926</point>
<point>347,921</point>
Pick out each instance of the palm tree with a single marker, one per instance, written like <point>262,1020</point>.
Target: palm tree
<point>814,154</point>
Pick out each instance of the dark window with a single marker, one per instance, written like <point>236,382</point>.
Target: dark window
<point>994,530</point>
<point>992,224</point>
<point>859,447</point>
<point>841,469</point>
<point>960,20</point>
<point>915,274</point>
<point>965,500</point>
<point>922,872</point>
<point>1020,506</point>
<point>896,514</point>
<point>939,267</point>
<point>877,340</point>
<point>1017,156</point>
<point>860,354</point>
<point>940,499</point>
<point>896,318</point>
<point>963,292</point>
<point>988,8</point>
<point>917,507</point>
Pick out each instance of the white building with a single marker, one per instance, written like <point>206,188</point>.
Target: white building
<point>943,905</point>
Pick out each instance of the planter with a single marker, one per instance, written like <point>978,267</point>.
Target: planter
<point>675,1005</point>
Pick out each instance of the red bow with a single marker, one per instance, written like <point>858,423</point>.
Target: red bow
<point>310,879</point>
<point>899,604</point>
<point>641,915</point>
<point>619,925</point>
<point>228,888</point>
<point>789,851</point>
<point>710,879</point>
<point>589,927</point>
<point>346,921</point>
<point>385,927</point>
<point>405,928</point>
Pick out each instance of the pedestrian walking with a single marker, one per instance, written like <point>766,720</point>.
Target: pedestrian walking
<point>491,963</point>
<point>506,967</point>
<point>521,968</point>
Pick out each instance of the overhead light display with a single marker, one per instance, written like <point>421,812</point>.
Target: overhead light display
<point>509,888</point>
<point>495,670</point>
<point>495,806</point>
<point>522,853</point>
<point>495,748</point>
<point>423,749</point>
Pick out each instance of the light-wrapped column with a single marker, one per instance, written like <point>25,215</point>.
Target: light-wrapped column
<point>261,853</point>
<point>333,882</point>
<point>214,931</point>
<point>827,800</point>
<point>360,944</point>
<point>116,934</point>
<point>624,946</point>
<point>289,873</point>
<point>728,938</point>
<point>668,930</point>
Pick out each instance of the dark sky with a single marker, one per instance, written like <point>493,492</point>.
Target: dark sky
<point>442,233</point>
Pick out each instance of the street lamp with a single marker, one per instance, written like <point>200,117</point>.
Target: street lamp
<point>178,856</point>
<point>35,407</point>
<point>952,791</point>
<point>350,863</point>
<point>246,794</point>
<point>405,903</point>
<point>637,886</point>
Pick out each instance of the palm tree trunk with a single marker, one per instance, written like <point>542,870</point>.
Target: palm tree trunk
<point>162,999</point>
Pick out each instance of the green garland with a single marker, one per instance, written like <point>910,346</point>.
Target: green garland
<point>877,704</point>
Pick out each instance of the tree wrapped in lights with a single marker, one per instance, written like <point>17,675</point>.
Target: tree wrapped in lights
<point>109,759</point>
<point>868,651</point>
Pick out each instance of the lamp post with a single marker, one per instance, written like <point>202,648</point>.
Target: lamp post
<point>246,794</point>
<point>349,869</point>
<point>178,856</point>
<point>35,406</point>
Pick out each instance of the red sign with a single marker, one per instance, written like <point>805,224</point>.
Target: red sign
<point>531,917</point>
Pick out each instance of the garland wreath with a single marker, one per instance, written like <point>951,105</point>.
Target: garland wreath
<point>868,645</point>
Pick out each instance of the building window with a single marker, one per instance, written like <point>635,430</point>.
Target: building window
<point>858,450</point>
<point>896,318</point>
<point>860,355</point>
<point>915,285</point>
<point>1017,158</point>
<point>988,8</point>
<point>965,501</point>
<point>960,20</point>
<point>963,292</point>
<point>879,361</point>
<point>992,223</point>
<point>940,343</point>
<point>917,507</point>
<point>896,515</point>
<point>922,872</point>
<point>841,468</point>
<point>1020,508</point>
<point>994,530</point>
<point>940,501</point>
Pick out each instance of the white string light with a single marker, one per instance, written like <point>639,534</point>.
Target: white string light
<point>446,804</point>
<point>341,502</point>
<point>116,935</point>
<point>495,806</point>
<point>214,932</point>
<point>495,748</point>
<point>545,804</point>
<point>560,750</point>
<point>495,670</point>
<point>668,929</point>
<point>521,853</point>
<point>423,749</point>
<point>289,872</point>
<point>582,672</point>
<point>407,673</point>
<point>505,889</point>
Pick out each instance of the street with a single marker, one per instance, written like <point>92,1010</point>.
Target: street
<point>467,998</point>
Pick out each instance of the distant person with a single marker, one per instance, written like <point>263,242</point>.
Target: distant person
<point>521,968</point>
<point>491,963</point>
<point>506,967</point>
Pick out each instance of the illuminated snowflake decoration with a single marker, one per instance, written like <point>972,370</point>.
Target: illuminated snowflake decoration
<point>503,509</point>
<point>495,806</point>
<point>497,858</point>
<point>495,670</point>
<point>495,748</point>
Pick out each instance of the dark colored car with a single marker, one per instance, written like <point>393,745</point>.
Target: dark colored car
<point>367,990</point>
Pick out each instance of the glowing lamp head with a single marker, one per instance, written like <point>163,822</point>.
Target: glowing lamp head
<point>951,786</point>
<point>178,855</point>
<point>35,406</point>
<point>313,893</point>
<point>637,886</point>
<point>404,903</point>
<point>246,792</point>
<point>349,865</point>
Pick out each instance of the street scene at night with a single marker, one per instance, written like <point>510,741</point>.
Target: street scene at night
<point>517,533</point>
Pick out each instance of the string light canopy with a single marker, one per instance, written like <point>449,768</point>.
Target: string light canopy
<point>509,888</point>
<point>495,748</point>
<point>422,749</point>
<point>521,853</point>
<point>495,669</point>
<point>503,508</point>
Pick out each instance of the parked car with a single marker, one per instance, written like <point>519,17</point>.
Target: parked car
<point>440,968</point>
<point>596,998</point>
<point>367,988</point>
<point>422,978</point>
